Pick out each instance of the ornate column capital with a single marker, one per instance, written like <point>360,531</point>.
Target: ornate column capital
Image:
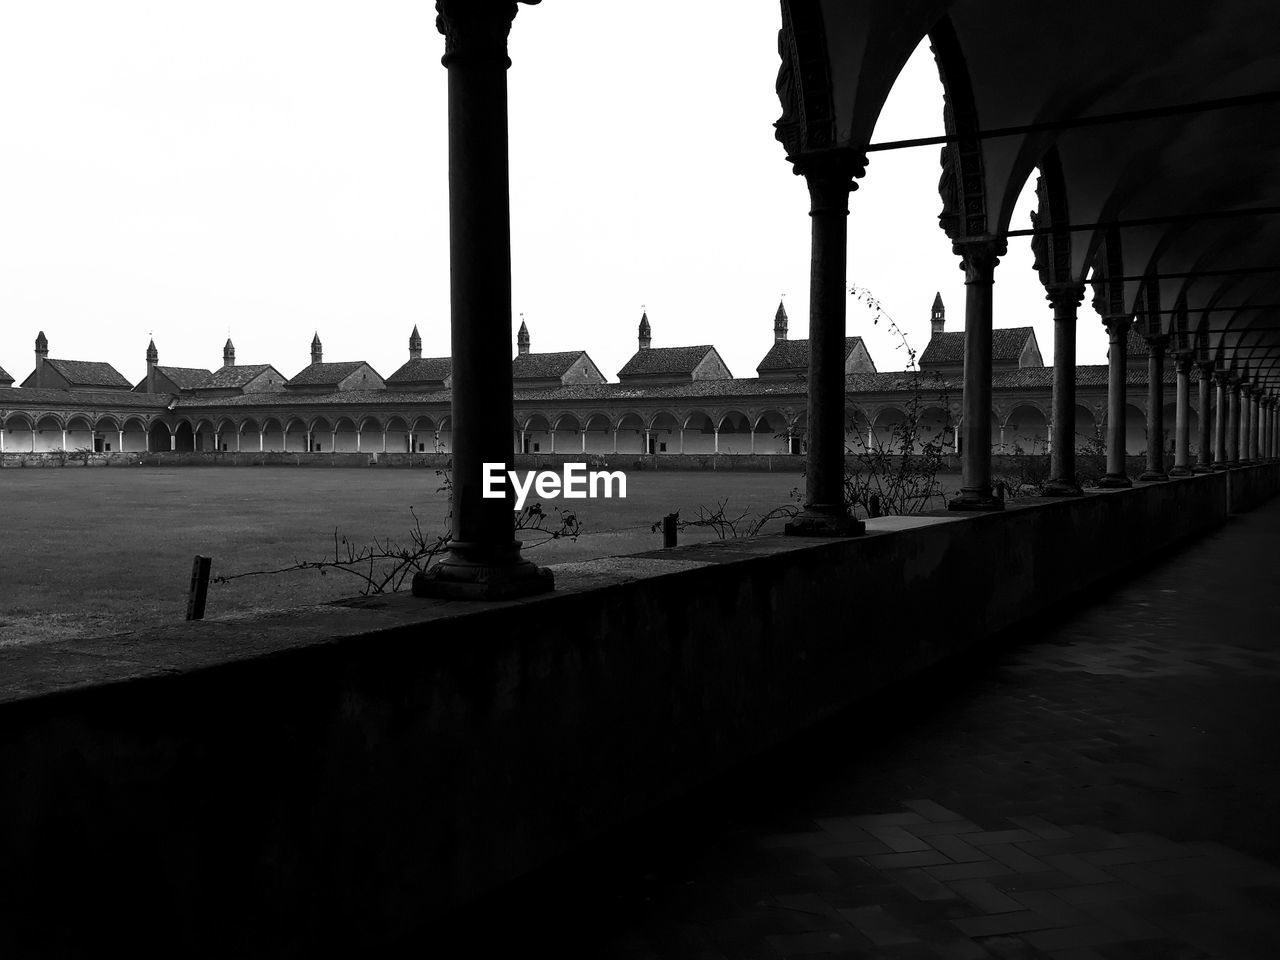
<point>1157,342</point>
<point>1118,326</point>
<point>831,176</point>
<point>476,29</point>
<point>1062,295</point>
<point>979,256</point>
<point>1221,377</point>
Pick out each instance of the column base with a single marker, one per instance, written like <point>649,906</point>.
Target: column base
<point>1218,466</point>
<point>1177,471</point>
<point>1202,468</point>
<point>972,500</point>
<point>1061,488</point>
<point>482,572</point>
<point>1115,481</point>
<point>1153,476</point>
<point>819,522</point>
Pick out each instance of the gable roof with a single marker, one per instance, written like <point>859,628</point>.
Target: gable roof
<point>794,354</point>
<point>660,360</point>
<point>225,378</point>
<point>1007,343</point>
<point>326,374</point>
<point>4,377</point>
<point>537,366</point>
<point>89,373</point>
<point>423,370</point>
<point>184,378</point>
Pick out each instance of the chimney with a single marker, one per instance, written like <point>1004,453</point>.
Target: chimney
<point>646,333</point>
<point>153,358</point>
<point>415,344</point>
<point>42,354</point>
<point>780,324</point>
<point>229,354</point>
<point>317,352</point>
<point>522,338</point>
<point>938,317</point>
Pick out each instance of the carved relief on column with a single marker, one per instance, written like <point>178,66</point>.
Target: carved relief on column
<point>476,29</point>
<point>808,120</point>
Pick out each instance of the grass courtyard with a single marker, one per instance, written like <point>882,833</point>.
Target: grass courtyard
<point>106,550</point>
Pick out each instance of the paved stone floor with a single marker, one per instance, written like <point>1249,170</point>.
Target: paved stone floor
<point>1104,785</point>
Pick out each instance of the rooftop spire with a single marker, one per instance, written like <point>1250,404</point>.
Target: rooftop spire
<point>646,332</point>
<point>522,336</point>
<point>415,344</point>
<point>153,355</point>
<point>780,324</point>
<point>937,317</point>
<point>229,354</point>
<point>317,352</point>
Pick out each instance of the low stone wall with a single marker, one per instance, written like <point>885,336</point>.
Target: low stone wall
<point>1249,486</point>
<point>323,778</point>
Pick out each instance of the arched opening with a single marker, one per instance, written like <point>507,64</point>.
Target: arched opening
<point>664,428</point>
<point>699,433</point>
<point>935,428</point>
<point>536,435</point>
<point>321,435</point>
<point>160,438</point>
<point>423,433</point>
<point>890,431</point>
<point>369,435</point>
<point>19,433</point>
<point>272,435</point>
<point>184,437</point>
<point>444,435</point>
<point>248,436</point>
<point>566,435</point>
<point>346,437</point>
<point>598,431</point>
<point>771,435</point>
<point>80,435</point>
<point>295,436</point>
<point>734,433</point>
<point>629,434</point>
<point>396,430</point>
<point>1026,432</point>
<point>227,436</point>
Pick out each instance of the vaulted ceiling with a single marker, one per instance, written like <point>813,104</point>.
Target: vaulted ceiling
<point>1155,128</point>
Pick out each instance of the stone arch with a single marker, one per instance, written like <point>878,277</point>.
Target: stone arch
<point>346,435</point>
<point>184,436</point>
<point>936,427</point>
<point>566,434</point>
<point>1088,436</point>
<point>294,435</point>
<point>444,434</point>
<point>273,435</point>
<point>536,434</point>
<point>598,431</point>
<point>666,432</point>
<point>320,431</point>
<point>772,432</point>
<point>79,432</point>
<point>628,432</point>
<point>160,436</point>
<point>19,430</point>
<point>734,434</point>
<point>1025,430</point>
<point>888,429</point>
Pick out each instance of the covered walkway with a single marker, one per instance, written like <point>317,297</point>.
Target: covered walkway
<point>1104,785</point>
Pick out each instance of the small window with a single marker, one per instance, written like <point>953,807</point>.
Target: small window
<point>537,448</point>
<point>662,448</point>
<point>107,448</point>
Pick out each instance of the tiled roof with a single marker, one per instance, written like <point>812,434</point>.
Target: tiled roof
<point>1007,343</point>
<point>225,378</point>
<point>185,377</point>
<point>538,366</point>
<point>41,396</point>
<point>423,370</point>
<point>794,354</point>
<point>659,360</point>
<point>89,373</point>
<point>325,374</point>
<point>4,377</point>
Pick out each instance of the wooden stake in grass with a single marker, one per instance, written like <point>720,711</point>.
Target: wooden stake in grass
<point>199,587</point>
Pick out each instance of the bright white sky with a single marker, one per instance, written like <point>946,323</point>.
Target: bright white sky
<point>271,168</point>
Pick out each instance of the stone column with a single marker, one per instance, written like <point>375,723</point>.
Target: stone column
<point>1233,425</point>
<point>1204,456</point>
<point>979,257</point>
<point>483,559</point>
<point>830,177</point>
<point>1065,299</point>
<point>120,448</point>
<point>1182,419</point>
<point>1220,422</point>
<point>1155,410</point>
<point>1251,431</point>
<point>1118,331</point>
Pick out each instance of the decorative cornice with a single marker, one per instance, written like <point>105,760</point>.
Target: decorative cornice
<point>1062,295</point>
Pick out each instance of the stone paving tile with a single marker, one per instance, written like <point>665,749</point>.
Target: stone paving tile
<point>1102,788</point>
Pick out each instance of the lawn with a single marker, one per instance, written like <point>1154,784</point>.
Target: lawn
<point>103,550</point>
